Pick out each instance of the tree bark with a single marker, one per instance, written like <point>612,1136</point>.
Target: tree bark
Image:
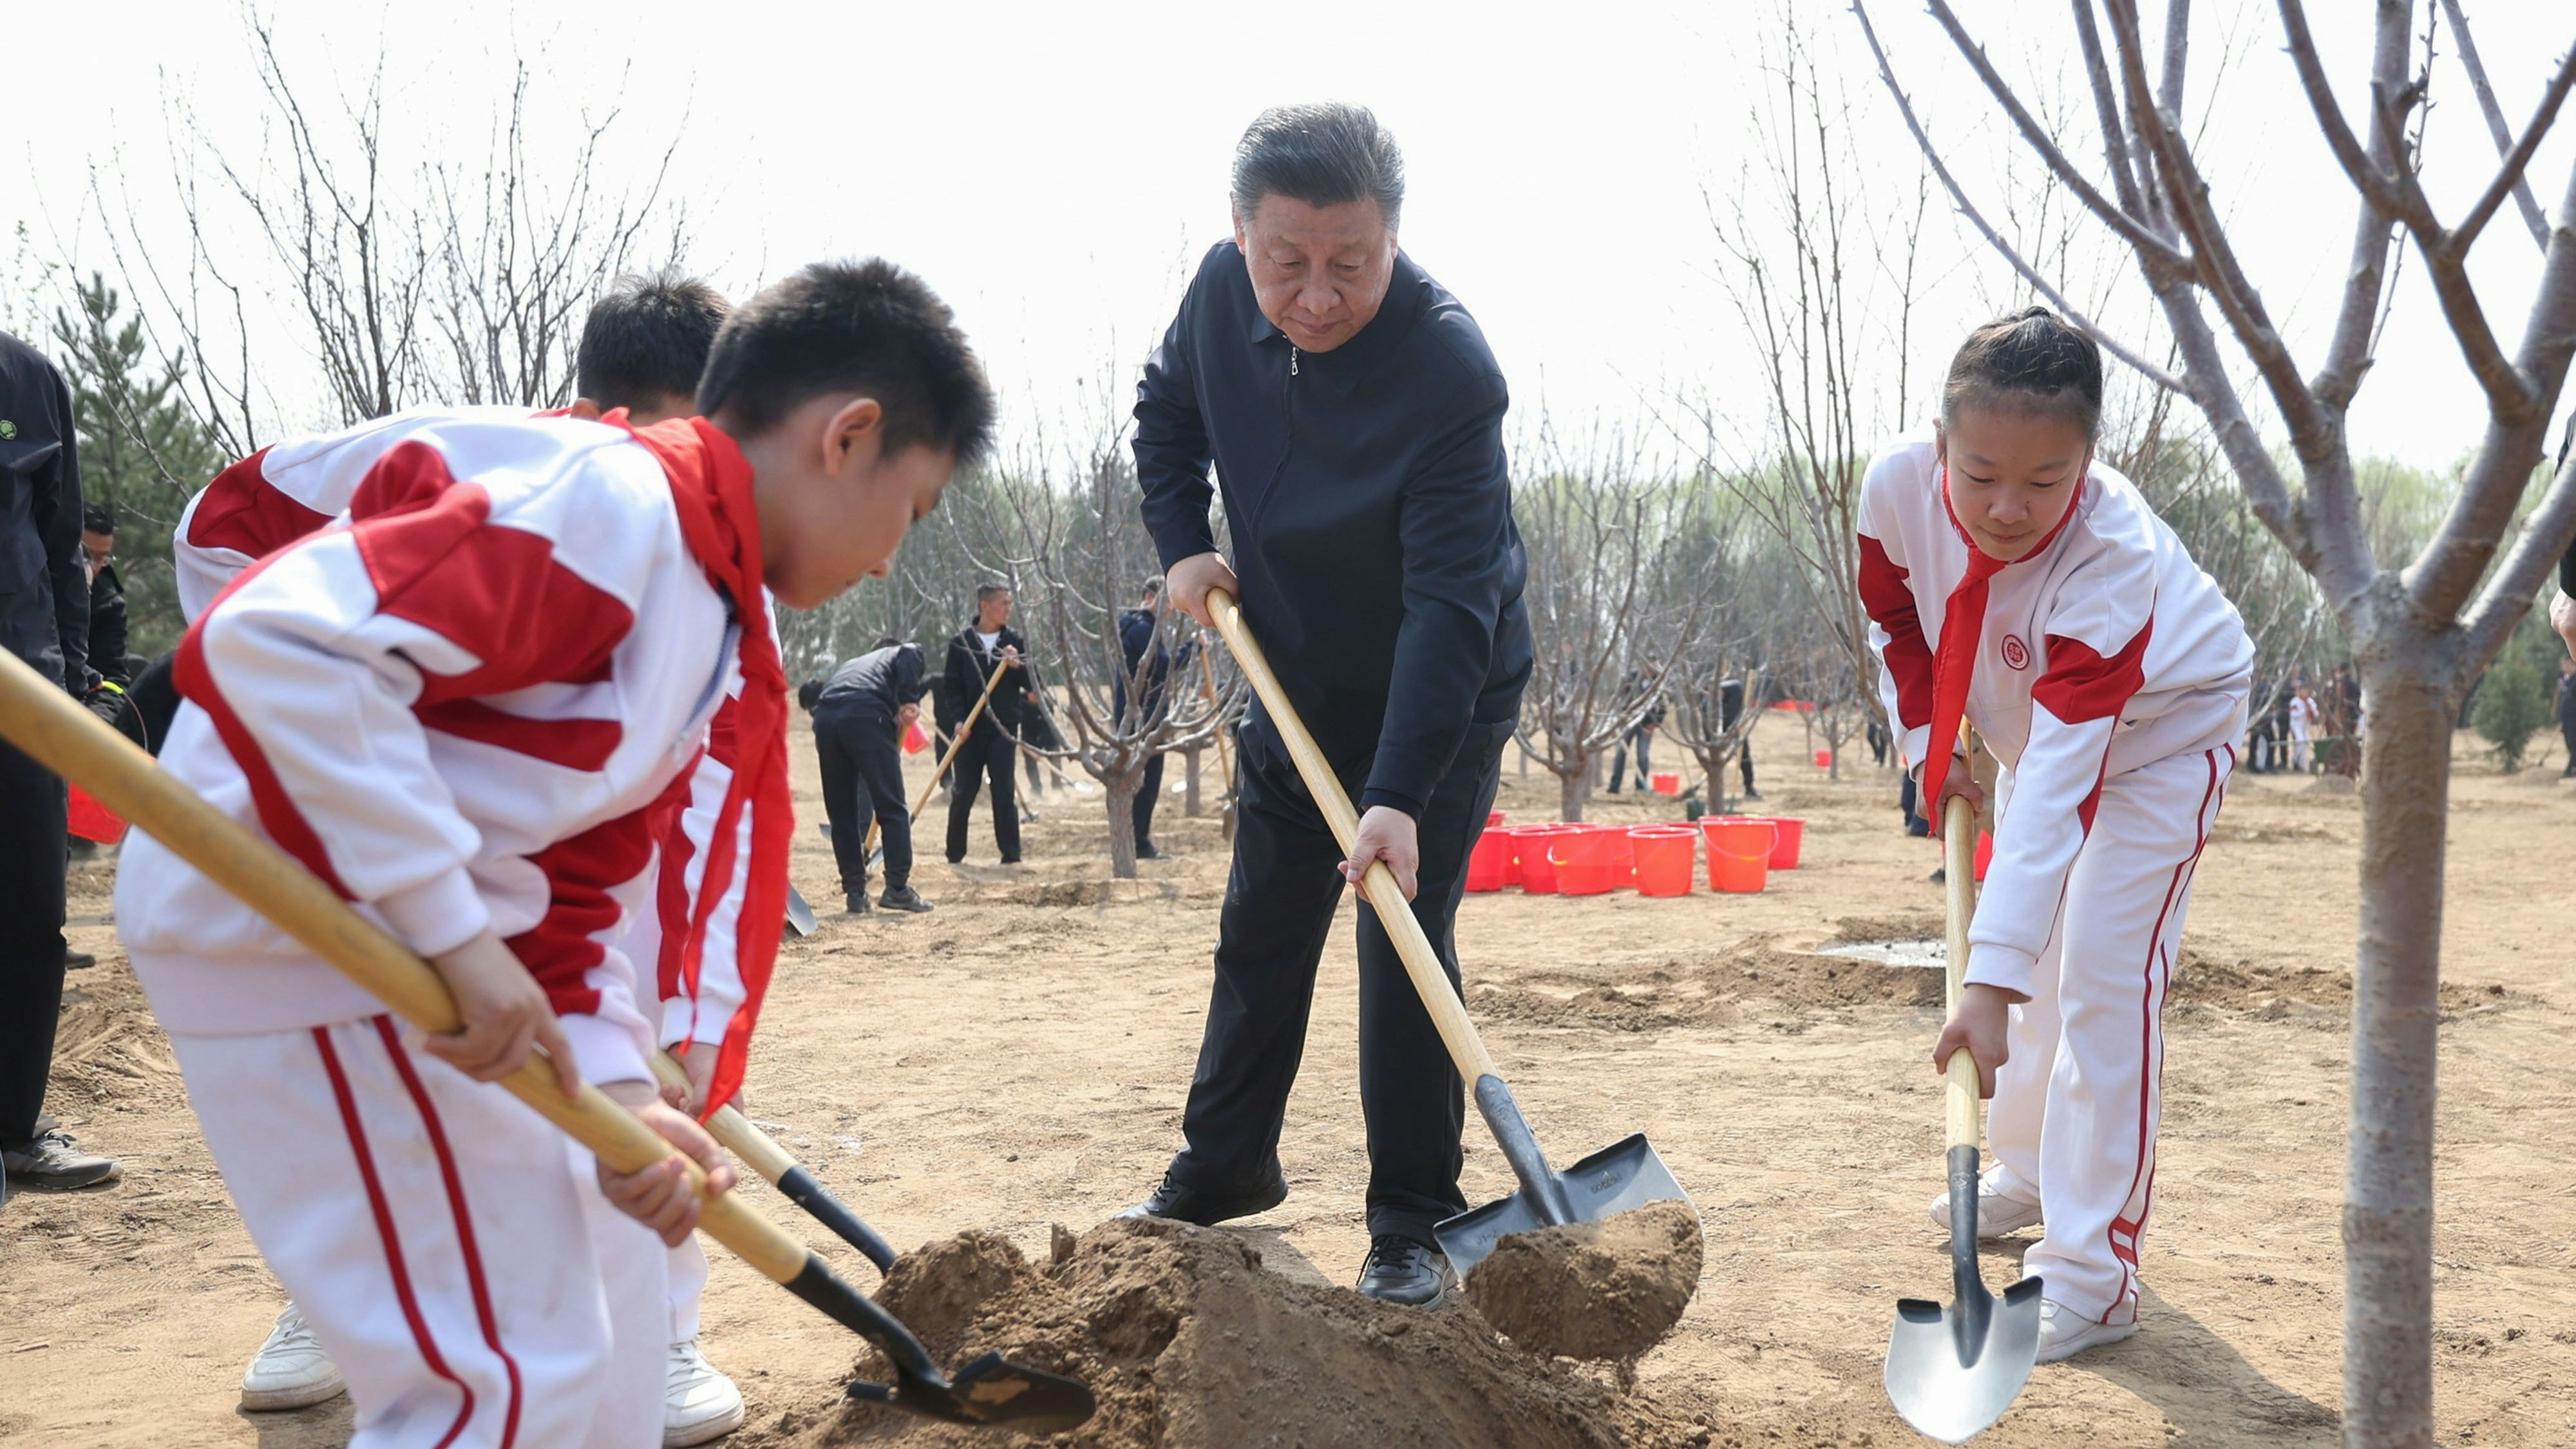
<point>1190,791</point>
<point>1575,786</point>
<point>1120,793</point>
<point>2396,1010</point>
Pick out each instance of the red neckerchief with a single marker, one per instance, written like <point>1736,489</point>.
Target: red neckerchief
<point>711,488</point>
<point>1963,627</point>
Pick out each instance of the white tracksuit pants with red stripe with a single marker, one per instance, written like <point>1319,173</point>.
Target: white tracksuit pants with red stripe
<point>2073,1124</point>
<point>449,1246</point>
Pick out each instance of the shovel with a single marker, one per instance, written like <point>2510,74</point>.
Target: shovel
<point>37,717</point>
<point>800,916</point>
<point>1953,1371</point>
<point>1627,1174</point>
<point>762,1154</point>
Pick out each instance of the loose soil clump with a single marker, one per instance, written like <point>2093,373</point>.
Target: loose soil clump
<point>1189,1343</point>
<point>1602,1290</point>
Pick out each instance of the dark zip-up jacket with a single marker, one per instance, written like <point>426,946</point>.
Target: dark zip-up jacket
<point>1137,631</point>
<point>44,588</point>
<point>106,643</point>
<point>880,682</point>
<point>1370,504</point>
<point>962,682</point>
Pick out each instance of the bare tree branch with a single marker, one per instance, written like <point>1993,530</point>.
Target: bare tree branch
<point>2496,127</point>
<point>2509,175</point>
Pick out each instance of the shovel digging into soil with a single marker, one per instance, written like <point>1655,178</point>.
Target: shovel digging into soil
<point>40,719</point>
<point>1953,1371</point>
<point>1561,1213</point>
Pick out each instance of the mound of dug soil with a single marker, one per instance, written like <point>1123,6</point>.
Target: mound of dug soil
<point>1605,1290</point>
<point>1189,1343</point>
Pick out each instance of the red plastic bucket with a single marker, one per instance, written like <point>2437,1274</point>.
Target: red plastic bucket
<point>1493,817</point>
<point>1586,858</point>
<point>1486,862</point>
<point>92,821</point>
<point>1664,857</point>
<point>1538,869</point>
<point>1739,852</point>
<point>1788,835</point>
<point>1824,759</point>
<point>914,741</point>
<point>1668,784</point>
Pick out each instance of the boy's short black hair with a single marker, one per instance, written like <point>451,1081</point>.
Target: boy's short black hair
<point>97,517</point>
<point>648,339</point>
<point>867,327</point>
<point>886,642</point>
<point>985,591</point>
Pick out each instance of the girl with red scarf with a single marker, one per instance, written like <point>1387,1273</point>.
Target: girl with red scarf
<point>460,705</point>
<point>2014,582</point>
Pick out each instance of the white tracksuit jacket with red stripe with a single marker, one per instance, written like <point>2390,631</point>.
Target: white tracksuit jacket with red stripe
<point>460,703</point>
<point>2108,650</point>
<point>279,494</point>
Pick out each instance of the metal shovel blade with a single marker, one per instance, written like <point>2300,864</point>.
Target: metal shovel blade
<point>1627,1174</point>
<point>800,916</point>
<point>987,1390</point>
<point>1953,1371</point>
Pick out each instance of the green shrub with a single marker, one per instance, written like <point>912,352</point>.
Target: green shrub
<point>2518,694</point>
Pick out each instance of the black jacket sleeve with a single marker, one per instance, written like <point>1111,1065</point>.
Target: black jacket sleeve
<point>1172,450</point>
<point>959,683</point>
<point>57,517</point>
<point>107,627</point>
<point>911,675</point>
<point>1455,526</point>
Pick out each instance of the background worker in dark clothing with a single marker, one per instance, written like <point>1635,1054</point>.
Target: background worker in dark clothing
<point>2567,711</point>
<point>1641,734</point>
<point>1354,416</point>
<point>1730,708</point>
<point>1138,637</point>
<point>859,717</point>
<point>109,678</point>
<point>44,621</point>
<point>991,749</point>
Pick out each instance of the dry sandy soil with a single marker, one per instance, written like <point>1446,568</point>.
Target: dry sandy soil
<point>1019,1059</point>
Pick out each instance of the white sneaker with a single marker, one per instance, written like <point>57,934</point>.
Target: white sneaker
<point>698,1402</point>
<point>290,1370</point>
<point>2064,1333</point>
<point>1997,1213</point>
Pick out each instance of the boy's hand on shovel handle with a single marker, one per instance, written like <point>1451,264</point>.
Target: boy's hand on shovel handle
<point>505,1012</point>
<point>699,1061</point>
<point>659,1196</point>
<point>1982,1025</point>
<point>1389,835</point>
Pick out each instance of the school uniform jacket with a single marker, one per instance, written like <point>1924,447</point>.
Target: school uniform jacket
<point>2105,650</point>
<point>282,493</point>
<point>461,704</point>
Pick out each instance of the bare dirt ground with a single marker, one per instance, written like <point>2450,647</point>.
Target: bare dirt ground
<point>1019,1058</point>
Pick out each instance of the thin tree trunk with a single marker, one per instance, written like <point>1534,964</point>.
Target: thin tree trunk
<point>1121,795</point>
<point>1575,786</point>
<point>1190,790</point>
<point>2396,1010</point>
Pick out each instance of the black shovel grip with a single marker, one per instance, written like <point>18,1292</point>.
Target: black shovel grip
<point>802,1190</point>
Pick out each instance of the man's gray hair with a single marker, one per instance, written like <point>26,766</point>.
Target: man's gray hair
<point>1323,154</point>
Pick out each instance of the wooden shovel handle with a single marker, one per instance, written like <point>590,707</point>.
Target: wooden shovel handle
<point>75,744</point>
<point>1959,887</point>
<point>1421,963</point>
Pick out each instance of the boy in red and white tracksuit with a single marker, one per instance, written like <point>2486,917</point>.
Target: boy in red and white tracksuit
<point>2108,675</point>
<point>277,496</point>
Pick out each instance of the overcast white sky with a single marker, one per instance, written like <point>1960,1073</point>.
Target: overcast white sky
<point>1054,169</point>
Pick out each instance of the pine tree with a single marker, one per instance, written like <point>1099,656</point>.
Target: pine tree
<point>143,451</point>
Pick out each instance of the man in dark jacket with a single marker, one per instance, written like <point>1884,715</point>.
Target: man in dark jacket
<point>44,621</point>
<point>1354,416</point>
<point>859,717</point>
<point>989,749</point>
<point>1642,734</point>
<point>1150,664</point>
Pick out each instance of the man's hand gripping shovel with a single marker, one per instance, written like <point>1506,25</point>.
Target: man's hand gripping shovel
<point>44,722</point>
<point>1625,1175</point>
<point>1951,1372</point>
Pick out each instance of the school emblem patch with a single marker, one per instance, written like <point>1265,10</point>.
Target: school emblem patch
<point>2016,653</point>
<point>8,430</point>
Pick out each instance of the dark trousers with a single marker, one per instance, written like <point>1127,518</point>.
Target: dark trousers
<point>33,805</point>
<point>863,776</point>
<point>1146,794</point>
<point>2567,732</point>
<point>155,701</point>
<point>989,752</point>
<point>1279,904</point>
<point>1645,744</point>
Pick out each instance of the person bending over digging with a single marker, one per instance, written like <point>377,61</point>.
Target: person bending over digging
<point>1354,415</point>
<point>2014,581</point>
<point>642,349</point>
<point>460,705</point>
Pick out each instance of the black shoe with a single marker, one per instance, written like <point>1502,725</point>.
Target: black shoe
<point>903,898</point>
<point>857,905</point>
<point>77,960</point>
<point>51,1161</point>
<point>1010,860</point>
<point>1940,875</point>
<point>1147,852</point>
<point>1400,1270</point>
<point>1752,795</point>
<point>1182,1203</point>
